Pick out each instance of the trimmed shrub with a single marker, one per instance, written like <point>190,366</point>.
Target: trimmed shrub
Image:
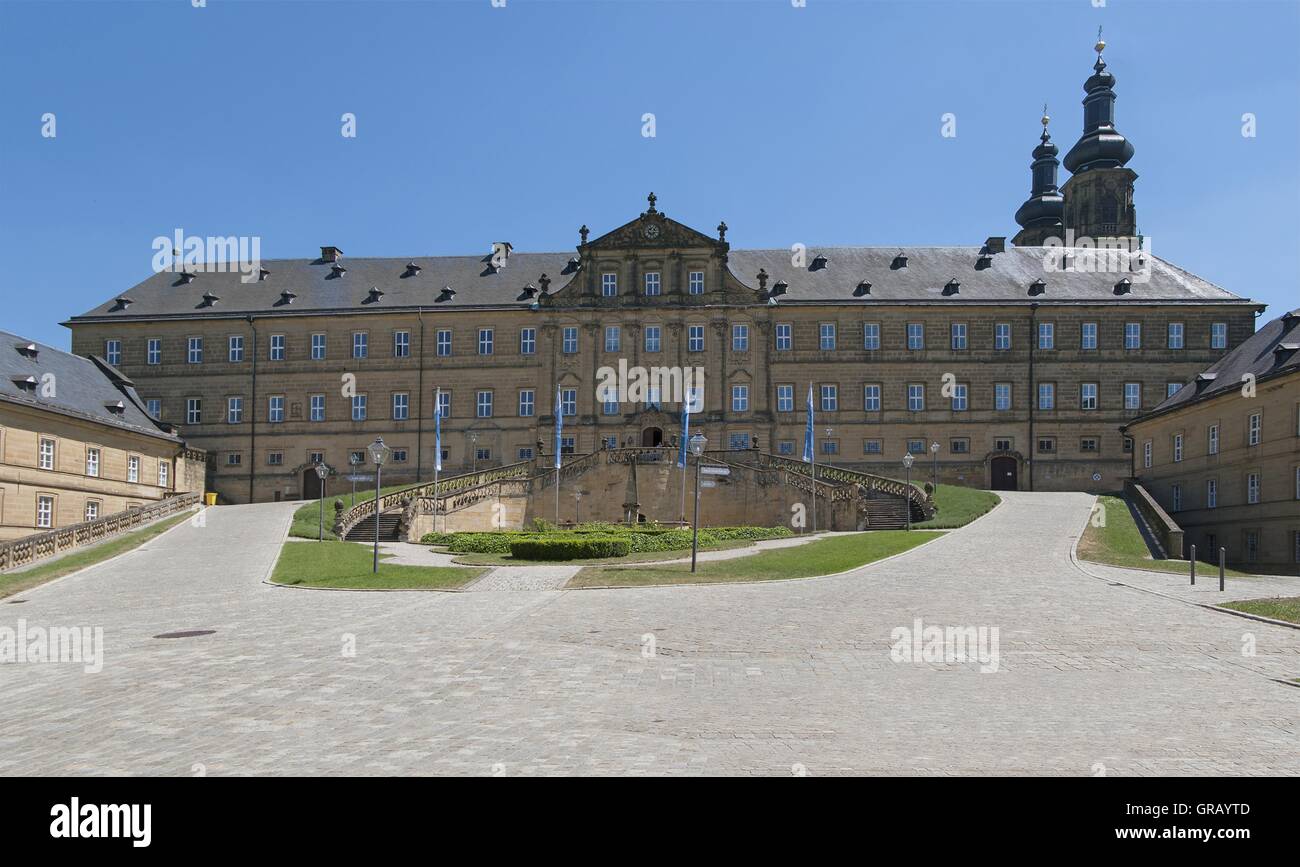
<point>749,534</point>
<point>575,547</point>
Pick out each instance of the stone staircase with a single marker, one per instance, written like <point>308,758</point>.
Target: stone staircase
<point>886,513</point>
<point>389,529</point>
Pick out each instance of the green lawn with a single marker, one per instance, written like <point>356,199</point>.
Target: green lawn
<point>958,506</point>
<point>1278,608</point>
<point>823,557</point>
<point>1120,543</point>
<point>347,565</point>
<point>16,582</point>
<point>305,520</point>
<point>635,557</point>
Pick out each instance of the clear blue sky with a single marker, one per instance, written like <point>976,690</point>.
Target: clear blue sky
<point>817,125</point>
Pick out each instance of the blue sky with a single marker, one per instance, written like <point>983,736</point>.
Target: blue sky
<point>816,125</point>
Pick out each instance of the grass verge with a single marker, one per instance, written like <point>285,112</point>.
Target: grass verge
<point>958,506</point>
<point>306,518</point>
<point>16,582</point>
<point>1119,543</point>
<point>344,565</point>
<point>1278,608</point>
<point>823,557</point>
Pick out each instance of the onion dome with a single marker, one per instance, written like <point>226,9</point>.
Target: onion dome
<point>1101,145</point>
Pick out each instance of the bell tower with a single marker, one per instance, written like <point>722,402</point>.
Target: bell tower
<point>1040,216</point>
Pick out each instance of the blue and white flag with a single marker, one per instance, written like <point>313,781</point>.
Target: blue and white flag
<point>808,432</point>
<point>559,425</point>
<point>686,431</point>
<point>437,430</point>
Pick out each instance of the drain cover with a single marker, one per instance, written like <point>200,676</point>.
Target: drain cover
<point>15,601</point>
<point>187,633</point>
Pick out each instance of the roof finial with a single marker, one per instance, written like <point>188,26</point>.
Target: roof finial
<point>652,198</point>
<point>1046,119</point>
<point>1101,43</point>
<point>583,232</point>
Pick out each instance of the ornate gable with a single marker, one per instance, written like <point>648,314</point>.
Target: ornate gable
<point>654,230</point>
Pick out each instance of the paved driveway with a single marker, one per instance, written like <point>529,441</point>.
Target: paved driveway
<point>780,678</point>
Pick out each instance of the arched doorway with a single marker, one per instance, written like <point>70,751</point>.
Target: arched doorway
<point>311,484</point>
<point>652,437</point>
<point>1003,474</point>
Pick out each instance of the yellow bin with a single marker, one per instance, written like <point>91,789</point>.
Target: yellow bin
<point>210,499</point>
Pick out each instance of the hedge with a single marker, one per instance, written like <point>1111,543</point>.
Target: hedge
<point>640,538</point>
<point>576,547</point>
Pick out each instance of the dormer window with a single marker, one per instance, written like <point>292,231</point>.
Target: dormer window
<point>286,297</point>
<point>818,263</point>
<point>780,287</point>
<point>899,263</point>
<point>1038,287</point>
<point>122,302</point>
<point>338,270</point>
<point>116,407</point>
<point>28,350</point>
<point>447,294</point>
<point>412,269</point>
<point>25,383</point>
<point>187,277</point>
<point>530,290</point>
<point>375,295</point>
<point>863,288</point>
<point>1123,287</point>
<point>209,299</point>
<point>952,287</point>
<point>984,261</point>
<point>263,273</point>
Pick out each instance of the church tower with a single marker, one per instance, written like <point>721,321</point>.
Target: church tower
<point>1099,194</point>
<point>1040,216</point>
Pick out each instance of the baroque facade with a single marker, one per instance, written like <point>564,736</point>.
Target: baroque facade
<point>1021,363</point>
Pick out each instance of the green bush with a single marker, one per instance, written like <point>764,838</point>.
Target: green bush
<point>575,547</point>
<point>749,534</point>
<point>642,538</point>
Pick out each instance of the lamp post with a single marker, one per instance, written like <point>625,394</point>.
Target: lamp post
<point>321,472</point>
<point>577,501</point>
<point>697,448</point>
<point>934,467</point>
<point>473,451</point>
<point>378,454</point>
<point>907,476</point>
<point>354,461</point>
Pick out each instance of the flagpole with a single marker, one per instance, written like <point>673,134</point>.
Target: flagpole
<point>681,450</point>
<point>437,453</point>
<point>812,456</point>
<point>559,460</point>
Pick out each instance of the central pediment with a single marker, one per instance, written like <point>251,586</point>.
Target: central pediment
<point>654,229</point>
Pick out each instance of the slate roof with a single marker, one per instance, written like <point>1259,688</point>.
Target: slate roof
<point>1273,350</point>
<point>316,288</point>
<point>83,387</point>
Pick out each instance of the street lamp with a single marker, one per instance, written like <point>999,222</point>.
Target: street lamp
<point>907,502</point>
<point>697,448</point>
<point>473,451</point>
<point>934,471</point>
<point>321,472</point>
<point>354,461</point>
<point>577,501</point>
<point>378,454</point>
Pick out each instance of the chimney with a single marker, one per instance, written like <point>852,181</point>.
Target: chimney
<point>330,254</point>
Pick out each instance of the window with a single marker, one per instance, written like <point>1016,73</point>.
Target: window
<point>359,407</point>
<point>234,410</point>
<point>528,341</point>
<point>443,342</point>
<point>1212,439</point>
<point>194,350</point>
<point>133,468</point>
<point>613,338</point>
<point>915,336</point>
<point>1088,335</point>
<point>960,446</point>
<point>1252,488</point>
<point>916,397</point>
<point>569,401</point>
<point>1002,445</point>
<point>483,404</point>
<point>1132,335</point>
<point>785,398</point>
<point>316,411</point>
<point>609,407</point>
<point>153,351</point>
<point>784,336</point>
<point>113,352</point>
<point>1178,448</point>
<point>153,406</point>
<point>609,284</point>
<point>360,344</point>
<point>1252,546</point>
<point>1047,395</point>
<point>1046,445</point>
<point>277,347</point>
<point>443,409</point>
<point>1146,455</point>
<point>1175,335</point>
<point>740,398</point>
<point>653,285</point>
<point>527,402</point>
<point>695,282</point>
<point>1088,395</point>
<point>92,461</point>
<point>785,447</point>
<point>401,406</point>
<point>871,397</point>
<point>401,344</point>
<point>1172,388</point>
<point>275,459</point>
<point>652,338</point>
<point>1176,495</point>
<point>958,335</point>
<point>826,336</point>
<point>740,338</point>
<point>830,447</point>
<point>44,511</point>
<point>45,455</point>
<point>485,339</point>
<point>695,338</point>
<point>1219,335</point>
<point>1211,493</point>
<point>358,457</point>
<point>567,446</point>
<point>830,397</point>
<point>1002,336</point>
<point>1088,444</point>
<point>318,347</point>
<point>1047,335</point>
<point>916,447</point>
<point>193,410</point>
<point>235,350</point>
<point>871,336</point>
<point>959,397</point>
<point>1132,395</point>
<point>1002,396</point>
<point>92,510</point>
<point>873,447</point>
<point>525,453</point>
<point>234,459</point>
<point>1297,483</point>
<point>275,409</point>
<point>1253,425</point>
<point>569,340</point>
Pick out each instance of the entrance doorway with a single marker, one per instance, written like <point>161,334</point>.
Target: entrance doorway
<point>310,484</point>
<point>652,437</point>
<point>1003,474</point>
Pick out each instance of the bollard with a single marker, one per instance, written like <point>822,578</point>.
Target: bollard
<point>1193,565</point>
<point>1223,556</point>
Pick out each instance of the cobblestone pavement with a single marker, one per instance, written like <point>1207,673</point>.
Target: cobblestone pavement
<point>778,678</point>
<point>1206,591</point>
